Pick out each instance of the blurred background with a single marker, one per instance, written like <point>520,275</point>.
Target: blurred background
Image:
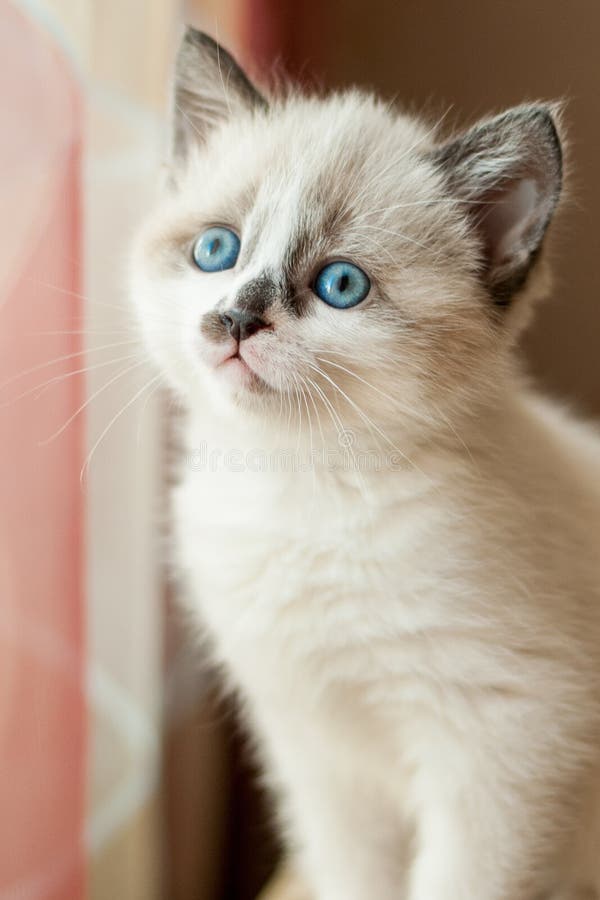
<point>121,774</point>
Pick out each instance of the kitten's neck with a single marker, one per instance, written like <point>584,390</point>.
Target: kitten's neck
<point>231,438</point>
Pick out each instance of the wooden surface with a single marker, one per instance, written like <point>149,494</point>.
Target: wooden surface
<point>284,886</point>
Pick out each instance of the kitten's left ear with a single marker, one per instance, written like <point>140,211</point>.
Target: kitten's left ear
<point>210,87</point>
<point>508,172</point>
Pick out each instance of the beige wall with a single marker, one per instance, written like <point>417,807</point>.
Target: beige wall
<point>482,55</point>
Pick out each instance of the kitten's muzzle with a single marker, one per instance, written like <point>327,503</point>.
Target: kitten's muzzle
<point>242,324</point>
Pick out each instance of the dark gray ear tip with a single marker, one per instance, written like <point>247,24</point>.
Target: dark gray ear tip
<point>545,114</point>
<point>528,117</point>
<point>531,112</point>
<point>193,45</point>
<point>543,121</point>
<point>199,44</point>
<point>198,39</point>
<point>552,125</point>
<point>549,117</point>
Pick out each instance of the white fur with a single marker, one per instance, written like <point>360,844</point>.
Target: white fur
<point>417,642</point>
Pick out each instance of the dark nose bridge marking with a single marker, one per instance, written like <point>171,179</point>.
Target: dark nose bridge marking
<point>257,295</point>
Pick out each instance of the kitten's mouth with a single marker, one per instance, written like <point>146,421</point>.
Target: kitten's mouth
<point>233,358</point>
<point>239,373</point>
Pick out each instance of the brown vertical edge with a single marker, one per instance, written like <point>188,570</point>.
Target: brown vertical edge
<point>196,771</point>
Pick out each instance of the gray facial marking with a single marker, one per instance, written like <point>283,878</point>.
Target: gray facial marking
<point>295,297</point>
<point>309,244</point>
<point>295,261</point>
<point>257,295</point>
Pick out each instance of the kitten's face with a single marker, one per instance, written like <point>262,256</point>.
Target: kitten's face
<point>318,255</point>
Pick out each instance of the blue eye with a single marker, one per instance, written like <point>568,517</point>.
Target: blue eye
<point>216,249</point>
<point>342,284</point>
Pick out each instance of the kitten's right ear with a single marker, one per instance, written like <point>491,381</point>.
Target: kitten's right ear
<point>210,87</point>
<point>508,172</point>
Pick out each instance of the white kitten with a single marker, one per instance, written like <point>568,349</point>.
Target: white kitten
<point>391,539</point>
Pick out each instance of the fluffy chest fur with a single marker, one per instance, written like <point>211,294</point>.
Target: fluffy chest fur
<point>395,589</point>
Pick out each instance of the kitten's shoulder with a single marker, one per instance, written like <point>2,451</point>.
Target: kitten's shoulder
<point>564,425</point>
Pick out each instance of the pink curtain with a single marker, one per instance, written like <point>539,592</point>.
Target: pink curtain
<point>42,703</point>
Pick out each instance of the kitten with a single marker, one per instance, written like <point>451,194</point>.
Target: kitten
<point>391,538</point>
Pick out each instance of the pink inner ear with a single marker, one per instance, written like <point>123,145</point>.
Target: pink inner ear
<point>508,221</point>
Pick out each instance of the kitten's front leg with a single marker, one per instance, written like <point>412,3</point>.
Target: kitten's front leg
<point>491,842</point>
<point>349,844</point>
<point>346,837</point>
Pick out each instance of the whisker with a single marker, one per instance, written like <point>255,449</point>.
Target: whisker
<point>114,419</point>
<point>299,423</point>
<point>343,434</point>
<point>400,234</point>
<point>314,405</point>
<point>40,388</point>
<point>381,357</point>
<point>310,434</point>
<point>377,244</point>
<point>458,437</point>
<point>90,332</point>
<point>92,397</point>
<point>339,390</point>
<point>373,387</point>
<point>59,289</point>
<point>369,421</point>
<point>443,201</point>
<point>288,397</point>
<point>225,92</point>
<point>64,358</point>
<point>402,408</point>
<point>91,302</point>
<point>189,121</point>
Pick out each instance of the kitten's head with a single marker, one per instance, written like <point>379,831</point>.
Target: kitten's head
<point>338,253</point>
